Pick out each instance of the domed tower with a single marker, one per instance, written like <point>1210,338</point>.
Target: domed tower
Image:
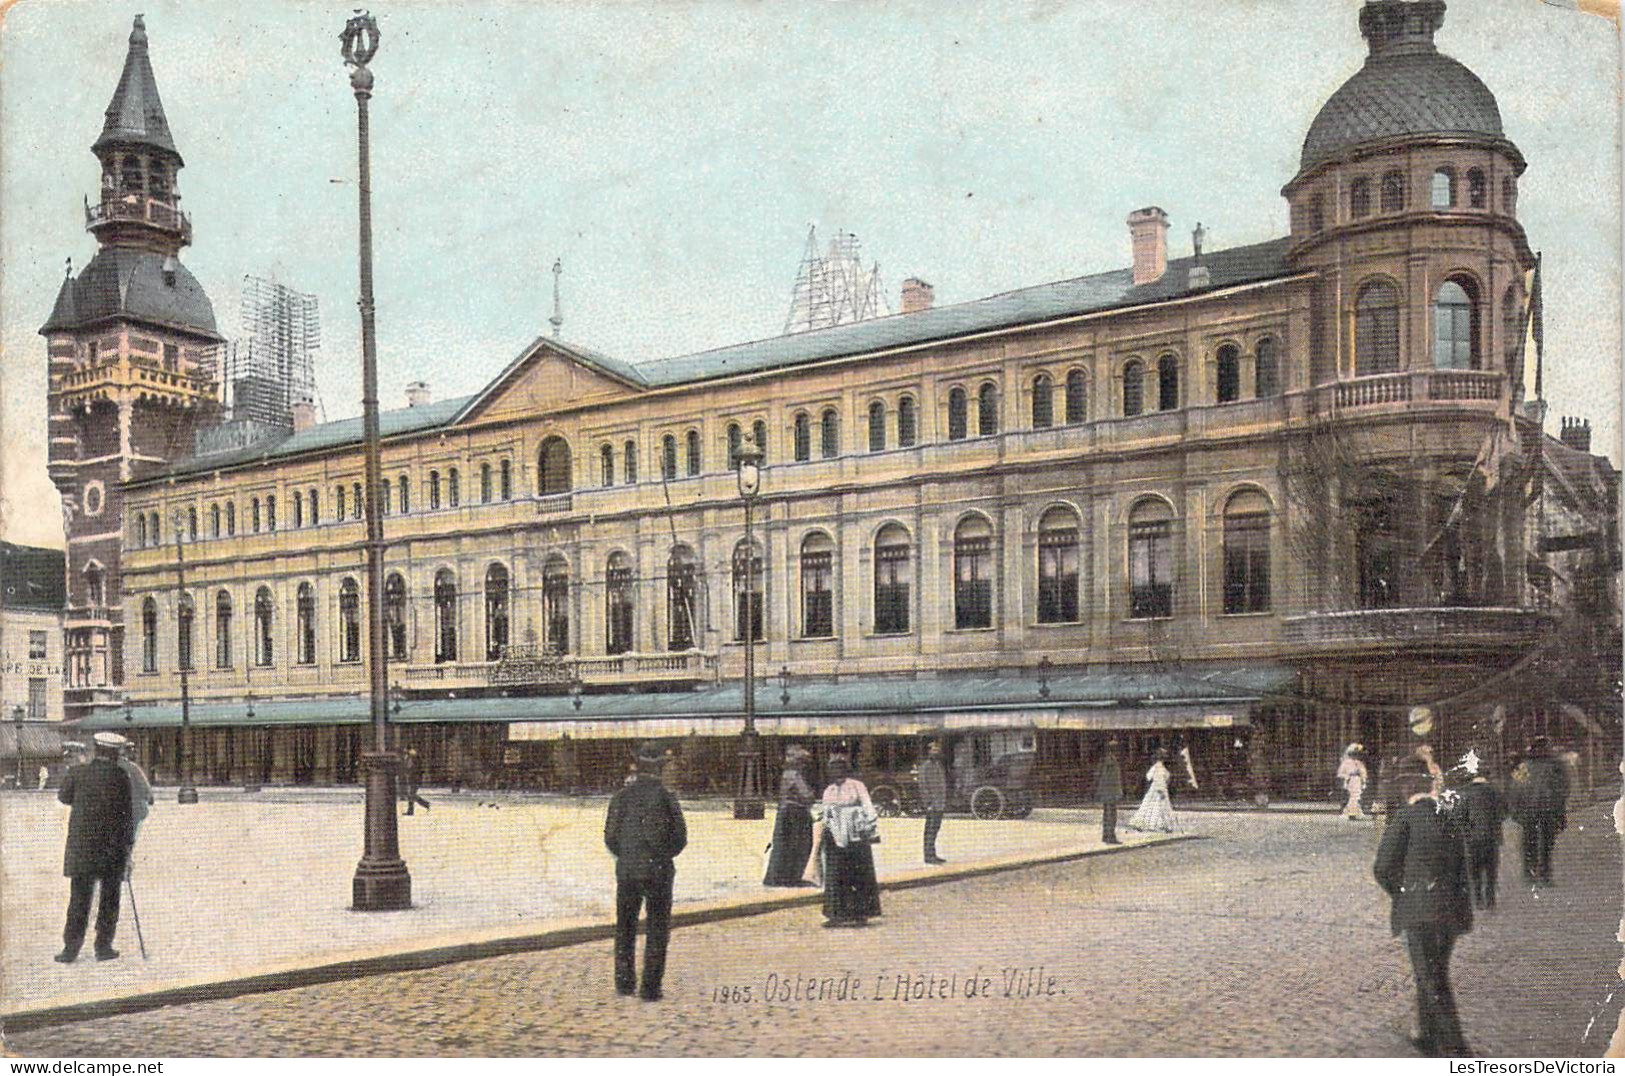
<point>1406,201</point>
<point>133,353</point>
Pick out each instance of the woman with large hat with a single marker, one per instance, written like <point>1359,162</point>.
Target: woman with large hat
<point>793,828</point>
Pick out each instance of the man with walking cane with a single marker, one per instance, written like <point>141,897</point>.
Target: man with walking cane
<point>99,830</point>
<point>141,801</point>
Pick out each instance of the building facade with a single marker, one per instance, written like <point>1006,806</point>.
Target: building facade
<point>31,603</point>
<point>1257,502</point>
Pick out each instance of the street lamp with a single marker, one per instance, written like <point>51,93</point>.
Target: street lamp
<point>748,803</point>
<point>187,793</point>
<point>381,881</point>
<point>17,716</point>
<point>250,784</point>
<point>784,685</point>
<point>1043,672</point>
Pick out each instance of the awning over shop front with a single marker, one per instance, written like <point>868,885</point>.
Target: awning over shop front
<point>1111,697</point>
<point>41,741</point>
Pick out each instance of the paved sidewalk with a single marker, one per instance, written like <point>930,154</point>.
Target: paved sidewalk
<point>242,885</point>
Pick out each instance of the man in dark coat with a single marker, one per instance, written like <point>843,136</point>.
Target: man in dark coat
<point>934,794</point>
<point>1540,804</point>
<point>410,775</point>
<point>99,836</point>
<point>644,831</point>
<point>1422,865</point>
<point>1482,810</point>
<point>1109,790</point>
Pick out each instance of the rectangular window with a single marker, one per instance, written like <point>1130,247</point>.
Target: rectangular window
<point>818,601</point>
<point>1247,564</point>
<point>37,642</point>
<point>36,698</point>
<point>891,590</point>
<point>1150,568</point>
<point>973,589</point>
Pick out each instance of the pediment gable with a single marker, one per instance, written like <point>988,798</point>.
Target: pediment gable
<point>549,376</point>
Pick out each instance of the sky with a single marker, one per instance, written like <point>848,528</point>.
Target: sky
<point>673,155</point>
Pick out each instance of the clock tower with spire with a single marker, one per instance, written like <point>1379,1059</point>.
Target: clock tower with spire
<point>134,371</point>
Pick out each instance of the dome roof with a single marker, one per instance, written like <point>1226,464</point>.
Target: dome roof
<point>1406,89</point>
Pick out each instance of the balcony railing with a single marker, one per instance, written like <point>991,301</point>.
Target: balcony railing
<point>1418,385</point>
<point>1395,627</point>
<point>553,503</point>
<point>531,669</point>
<point>139,207</point>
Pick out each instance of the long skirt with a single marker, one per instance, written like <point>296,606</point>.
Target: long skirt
<point>851,893</point>
<point>792,844</point>
<point>1156,813</point>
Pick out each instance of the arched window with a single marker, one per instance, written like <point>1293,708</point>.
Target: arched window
<point>694,463</point>
<point>1058,567</point>
<point>1167,383</point>
<point>505,475</point>
<point>973,573</point>
<point>338,504</point>
<point>606,464</point>
<point>155,530</point>
<point>298,509</point>
<point>315,509</point>
<point>803,437</point>
<point>191,524</point>
<point>1043,402</point>
<point>496,612</point>
<point>556,605</point>
<point>130,173</point>
<point>758,431</point>
<point>355,501</point>
<point>1317,214</point>
<point>254,514</point>
<point>629,463</point>
<point>485,483</point>
<point>1133,388</point>
<point>682,599</point>
<point>958,420</point>
<point>93,583</point>
<point>1151,559</point>
<point>349,621</point>
<point>149,635</point>
<point>668,458</point>
<point>214,521</point>
<point>1376,329</point>
<point>1229,374</point>
<point>736,441</point>
<point>747,586</point>
<point>445,616</point>
<point>830,433</point>
<point>1478,188</point>
<point>1455,326</point>
<point>264,651</point>
<point>1077,397</point>
<point>1444,188</point>
<point>384,496</point>
<point>1267,369</point>
<point>893,576</point>
<point>141,529</point>
<point>1393,192</point>
<point>454,488</point>
<point>1509,195</point>
<point>1512,331</point>
<point>222,630</point>
<point>877,427</point>
<point>434,490</point>
<point>553,466</point>
<point>185,614</point>
<point>817,586</point>
<point>618,604</point>
<point>908,424</point>
<point>231,519</point>
<point>1360,198</point>
<point>987,410</point>
<point>305,624</point>
<point>1247,553</point>
<point>395,616</point>
<point>404,488</point>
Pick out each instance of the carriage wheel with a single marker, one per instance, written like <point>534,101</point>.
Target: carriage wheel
<point>888,804</point>
<point>987,803</point>
<point>1021,805</point>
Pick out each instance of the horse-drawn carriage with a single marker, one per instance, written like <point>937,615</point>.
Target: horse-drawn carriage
<point>990,775</point>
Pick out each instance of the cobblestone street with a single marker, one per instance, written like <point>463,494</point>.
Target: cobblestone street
<point>1269,938</point>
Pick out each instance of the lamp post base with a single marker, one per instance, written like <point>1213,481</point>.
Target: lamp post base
<point>187,794</point>
<point>748,805</point>
<point>381,883</point>
<point>381,887</point>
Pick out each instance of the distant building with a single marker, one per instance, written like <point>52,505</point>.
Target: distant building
<point>31,603</point>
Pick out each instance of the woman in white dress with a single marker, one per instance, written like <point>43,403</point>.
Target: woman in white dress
<point>1156,813</point>
<point>1352,772</point>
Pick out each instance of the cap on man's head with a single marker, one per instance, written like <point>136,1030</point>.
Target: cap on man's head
<point>109,741</point>
<point>649,753</point>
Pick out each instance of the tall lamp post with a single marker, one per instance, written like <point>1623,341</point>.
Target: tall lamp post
<point>748,802</point>
<point>381,880</point>
<point>17,716</point>
<point>187,793</point>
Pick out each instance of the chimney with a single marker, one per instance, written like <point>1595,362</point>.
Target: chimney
<point>1148,230</point>
<point>1576,433</point>
<point>304,415</point>
<point>917,295</point>
<point>418,395</point>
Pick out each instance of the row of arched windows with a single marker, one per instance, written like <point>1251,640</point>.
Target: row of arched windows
<point>1390,193</point>
<point>1457,326</point>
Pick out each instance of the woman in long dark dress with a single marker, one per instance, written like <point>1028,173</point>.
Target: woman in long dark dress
<point>793,829</point>
<point>851,893</point>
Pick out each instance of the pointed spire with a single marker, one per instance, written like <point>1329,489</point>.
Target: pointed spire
<point>136,114</point>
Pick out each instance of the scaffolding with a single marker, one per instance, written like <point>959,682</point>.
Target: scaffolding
<point>272,367</point>
<point>833,287</point>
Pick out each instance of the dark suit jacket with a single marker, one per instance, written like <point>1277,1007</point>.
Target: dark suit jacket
<point>1482,810</point>
<point>644,829</point>
<point>1108,780</point>
<point>1545,791</point>
<point>1422,864</point>
<point>99,824</point>
<point>934,784</point>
